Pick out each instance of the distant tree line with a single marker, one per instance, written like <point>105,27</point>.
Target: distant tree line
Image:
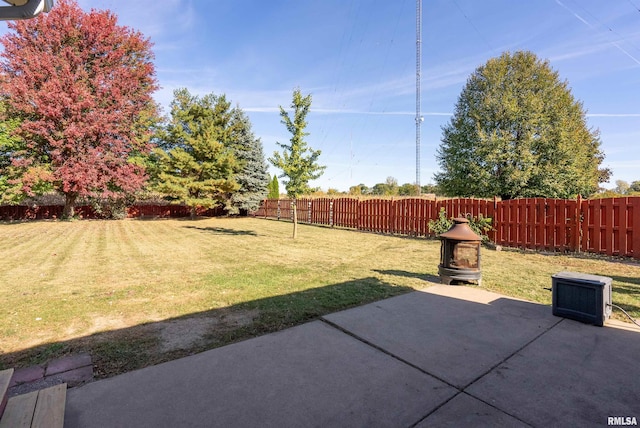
<point>391,188</point>
<point>622,188</point>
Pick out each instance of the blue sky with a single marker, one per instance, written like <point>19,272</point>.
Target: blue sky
<point>357,58</point>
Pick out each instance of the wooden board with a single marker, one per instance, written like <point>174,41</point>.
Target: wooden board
<point>50,407</point>
<point>19,411</point>
<point>5,380</point>
<point>37,409</point>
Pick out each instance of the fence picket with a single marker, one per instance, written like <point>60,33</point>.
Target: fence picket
<point>633,227</point>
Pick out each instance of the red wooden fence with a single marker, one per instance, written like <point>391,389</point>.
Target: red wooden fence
<point>605,226</point>
<point>538,223</point>
<point>611,226</point>
<point>20,212</point>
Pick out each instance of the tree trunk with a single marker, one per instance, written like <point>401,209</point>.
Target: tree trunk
<point>193,213</point>
<point>295,220</point>
<point>69,205</point>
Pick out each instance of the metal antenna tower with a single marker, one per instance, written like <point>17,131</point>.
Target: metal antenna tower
<point>419,117</point>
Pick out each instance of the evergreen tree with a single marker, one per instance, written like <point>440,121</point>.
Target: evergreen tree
<point>253,177</point>
<point>274,188</point>
<point>518,132</point>
<point>195,164</point>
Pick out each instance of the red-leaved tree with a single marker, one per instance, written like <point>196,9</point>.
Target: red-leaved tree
<point>81,86</point>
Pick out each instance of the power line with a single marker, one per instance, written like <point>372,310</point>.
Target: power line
<point>601,24</point>
<point>363,121</point>
<point>474,27</point>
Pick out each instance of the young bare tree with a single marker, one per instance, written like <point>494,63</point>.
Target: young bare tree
<point>298,161</point>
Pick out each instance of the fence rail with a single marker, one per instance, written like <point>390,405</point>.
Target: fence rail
<point>604,226</point>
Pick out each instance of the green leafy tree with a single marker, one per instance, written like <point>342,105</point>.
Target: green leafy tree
<point>379,189</point>
<point>430,188</point>
<point>298,162</point>
<point>253,177</point>
<point>194,163</point>
<point>392,186</point>
<point>359,189</point>
<point>274,188</point>
<point>10,143</point>
<point>517,131</point>
<point>634,187</point>
<point>408,189</point>
<point>388,188</point>
<point>622,187</point>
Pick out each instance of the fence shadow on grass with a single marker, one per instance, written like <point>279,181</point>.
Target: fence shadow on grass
<point>583,255</point>
<point>126,349</point>
<point>621,289</point>
<point>627,279</point>
<point>224,231</point>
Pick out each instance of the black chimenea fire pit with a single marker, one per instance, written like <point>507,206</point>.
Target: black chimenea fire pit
<point>460,254</point>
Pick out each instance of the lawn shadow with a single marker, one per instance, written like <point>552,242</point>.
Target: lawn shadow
<point>224,231</point>
<point>625,290</point>
<point>627,308</point>
<point>126,349</point>
<point>627,279</point>
<point>405,274</point>
<point>578,255</point>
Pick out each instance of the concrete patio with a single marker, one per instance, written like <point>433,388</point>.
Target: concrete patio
<point>443,356</point>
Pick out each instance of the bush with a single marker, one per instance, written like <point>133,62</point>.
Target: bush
<point>112,208</point>
<point>480,225</point>
<point>442,224</point>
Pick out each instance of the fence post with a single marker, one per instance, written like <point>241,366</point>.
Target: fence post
<point>494,216</point>
<point>392,216</point>
<point>577,234</point>
<point>331,213</point>
<point>278,210</point>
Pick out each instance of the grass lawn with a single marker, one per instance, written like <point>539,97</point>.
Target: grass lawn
<point>134,293</point>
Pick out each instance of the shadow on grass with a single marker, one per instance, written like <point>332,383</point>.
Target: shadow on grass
<point>122,350</point>
<point>626,279</point>
<point>575,255</point>
<point>224,231</point>
<point>405,274</point>
<point>632,292</point>
<point>627,308</point>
